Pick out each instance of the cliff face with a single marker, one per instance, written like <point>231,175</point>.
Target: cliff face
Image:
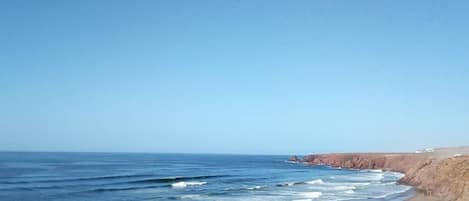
<point>446,178</point>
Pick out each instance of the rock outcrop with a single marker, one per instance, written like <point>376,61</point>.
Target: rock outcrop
<point>294,159</point>
<point>444,178</point>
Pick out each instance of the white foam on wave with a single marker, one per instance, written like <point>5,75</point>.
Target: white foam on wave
<point>191,196</point>
<point>311,194</point>
<point>356,184</point>
<point>343,187</point>
<point>359,185</point>
<point>387,183</point>
<point>254,188</point>
<point>396,175</point>
<point>183,184</point>
<point>407,188</point>
<point>335,188</point>
<point>378,177</point>
<point>367,177</point>
<point>317,181</point>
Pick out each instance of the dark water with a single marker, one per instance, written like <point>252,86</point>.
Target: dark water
<point>135,177</point>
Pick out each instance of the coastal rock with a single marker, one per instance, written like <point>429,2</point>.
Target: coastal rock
<point>443,178</point>
<point>294,159</point>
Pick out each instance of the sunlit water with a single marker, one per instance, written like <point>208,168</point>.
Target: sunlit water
<point>129,177</point>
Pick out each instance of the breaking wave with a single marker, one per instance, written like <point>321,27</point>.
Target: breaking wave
<point>311,194</point>
<point>183,184</point>
<point>317,181</point>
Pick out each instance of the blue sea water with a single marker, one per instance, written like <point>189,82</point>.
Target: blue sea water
<point>27,176</point>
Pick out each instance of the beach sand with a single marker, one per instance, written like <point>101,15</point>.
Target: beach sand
<point>423,197</point>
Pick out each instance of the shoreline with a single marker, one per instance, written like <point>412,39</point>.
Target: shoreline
<point>420,196</point>
<point>436,174</point>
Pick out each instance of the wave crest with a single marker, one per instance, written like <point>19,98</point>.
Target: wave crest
<point>316,181</point>
<point>183,184</point>
<point>311,194</point>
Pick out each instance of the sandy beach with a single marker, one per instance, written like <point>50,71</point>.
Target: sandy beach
<point>422,197</point>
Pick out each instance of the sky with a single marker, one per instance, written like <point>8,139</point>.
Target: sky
<point>233,76</point>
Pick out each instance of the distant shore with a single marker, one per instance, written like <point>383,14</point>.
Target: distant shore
<point>437,174</point>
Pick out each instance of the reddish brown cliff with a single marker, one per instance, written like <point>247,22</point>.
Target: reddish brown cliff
<point>444,178</point>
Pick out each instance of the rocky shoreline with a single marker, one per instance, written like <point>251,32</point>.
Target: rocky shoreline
<point>441,175</point>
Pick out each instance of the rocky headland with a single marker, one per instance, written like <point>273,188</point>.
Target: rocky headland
<point>437,174</point>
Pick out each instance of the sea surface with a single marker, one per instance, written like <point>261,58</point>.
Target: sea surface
<point>28,176</point>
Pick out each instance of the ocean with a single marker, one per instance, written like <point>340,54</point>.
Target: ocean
<point>41,176</point>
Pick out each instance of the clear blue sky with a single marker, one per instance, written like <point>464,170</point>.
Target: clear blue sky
<point>269,77</point>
